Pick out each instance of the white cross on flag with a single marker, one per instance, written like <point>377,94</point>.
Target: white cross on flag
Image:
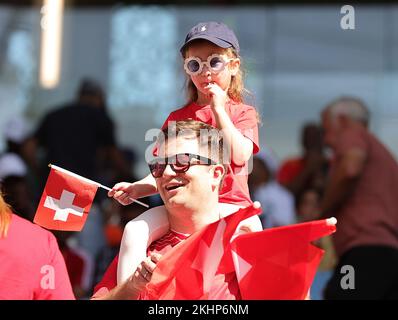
<point>66,201</point>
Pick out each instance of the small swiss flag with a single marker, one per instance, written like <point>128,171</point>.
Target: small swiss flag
<point>66,201</point>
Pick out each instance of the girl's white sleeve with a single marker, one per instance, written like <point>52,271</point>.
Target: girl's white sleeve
<point>138,234</point>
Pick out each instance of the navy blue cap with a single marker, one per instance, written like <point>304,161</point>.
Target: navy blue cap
<point>215,32</point>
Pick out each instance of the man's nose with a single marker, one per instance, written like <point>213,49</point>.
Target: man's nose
<point>168,171</point>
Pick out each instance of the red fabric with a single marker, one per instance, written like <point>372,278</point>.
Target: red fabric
<point>279,263</point>
<point>29,257</point>
<point>201,267</point>
<point>289,170</point>
<point>113,234</point>
<point>109,279</point>
<point>235,189</point>
<point>162,245</point>
<point>75,265</point>
<point>78,193</point>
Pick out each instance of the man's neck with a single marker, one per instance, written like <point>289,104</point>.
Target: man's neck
<point>190,220</point>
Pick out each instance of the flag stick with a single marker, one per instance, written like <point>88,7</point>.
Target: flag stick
<point>91,181</point>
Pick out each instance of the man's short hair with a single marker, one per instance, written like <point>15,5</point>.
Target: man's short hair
<point>207,135</point>
<point>353,108</point>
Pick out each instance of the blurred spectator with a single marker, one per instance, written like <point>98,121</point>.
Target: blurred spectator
<point>32,267</point>
<point>17,181</point>
<point>310,169</point>
<point>17,134</point>
<point>79,265</point>
<point>277,202</point>
<point>12,165</point>
<point>308,205</point>
<point>17,194</point>
<point>74,136</point>
<point>361,194</point>
<point>308,208</point>
<point>79,137</point>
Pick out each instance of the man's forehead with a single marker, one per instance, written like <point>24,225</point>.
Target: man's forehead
<point>179,145</point>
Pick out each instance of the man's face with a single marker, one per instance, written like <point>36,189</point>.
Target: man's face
<point>331,129</point>
<point>190,189</point>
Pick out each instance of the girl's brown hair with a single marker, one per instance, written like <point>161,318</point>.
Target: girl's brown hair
<point>5,217</point>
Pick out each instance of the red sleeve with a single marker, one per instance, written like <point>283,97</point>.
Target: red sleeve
<point>246,123</point>
<point>61,289</point>
<point>109,280</point>
<point>169,118</point>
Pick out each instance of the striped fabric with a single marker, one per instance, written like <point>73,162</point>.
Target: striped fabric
<point>165,243</point>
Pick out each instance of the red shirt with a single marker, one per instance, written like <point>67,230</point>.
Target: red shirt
<point>370,215</point>
<point>32,267</point>
<point>79,266</point>
<point>235,189</point>
<point>289,170</point>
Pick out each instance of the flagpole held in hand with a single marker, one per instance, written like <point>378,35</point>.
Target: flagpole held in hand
<point>91,181</point>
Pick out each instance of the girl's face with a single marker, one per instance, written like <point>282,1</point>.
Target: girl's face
<point>204,49</point>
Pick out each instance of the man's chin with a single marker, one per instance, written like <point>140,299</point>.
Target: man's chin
<point>174,202</point>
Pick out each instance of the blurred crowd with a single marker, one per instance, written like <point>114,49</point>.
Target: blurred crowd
<point>80,137</point>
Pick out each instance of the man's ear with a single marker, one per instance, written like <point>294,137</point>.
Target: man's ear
<point>218,173</point>
<point>234,66</point>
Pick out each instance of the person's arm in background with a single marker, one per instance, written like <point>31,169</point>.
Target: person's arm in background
<point>312,163</point>
<point>343,180</point>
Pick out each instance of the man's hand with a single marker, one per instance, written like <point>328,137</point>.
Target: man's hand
<point>144,271</point>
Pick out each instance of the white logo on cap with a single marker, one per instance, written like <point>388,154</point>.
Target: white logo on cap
<point>203,28</point>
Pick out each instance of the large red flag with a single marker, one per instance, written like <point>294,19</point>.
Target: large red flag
<point>279,263</point>
<point>66,201</point>
<point>192,269</point>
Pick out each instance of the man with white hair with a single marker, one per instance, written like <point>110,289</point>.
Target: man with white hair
<point>361,194</point>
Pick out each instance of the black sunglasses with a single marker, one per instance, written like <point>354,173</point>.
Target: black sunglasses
<point>179,163</point>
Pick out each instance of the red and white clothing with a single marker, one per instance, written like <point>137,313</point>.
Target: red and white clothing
<point>161,246</point>
<point>32,267</point>
<point>235,189</point>
<point>225,287</point>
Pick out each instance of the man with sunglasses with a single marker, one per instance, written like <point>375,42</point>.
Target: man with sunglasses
<point>189,171</point>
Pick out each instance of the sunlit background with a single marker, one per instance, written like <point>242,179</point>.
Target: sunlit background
<point>297,59</point>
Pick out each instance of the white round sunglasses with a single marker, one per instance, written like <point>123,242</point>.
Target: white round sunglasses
<point>215,63</point>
